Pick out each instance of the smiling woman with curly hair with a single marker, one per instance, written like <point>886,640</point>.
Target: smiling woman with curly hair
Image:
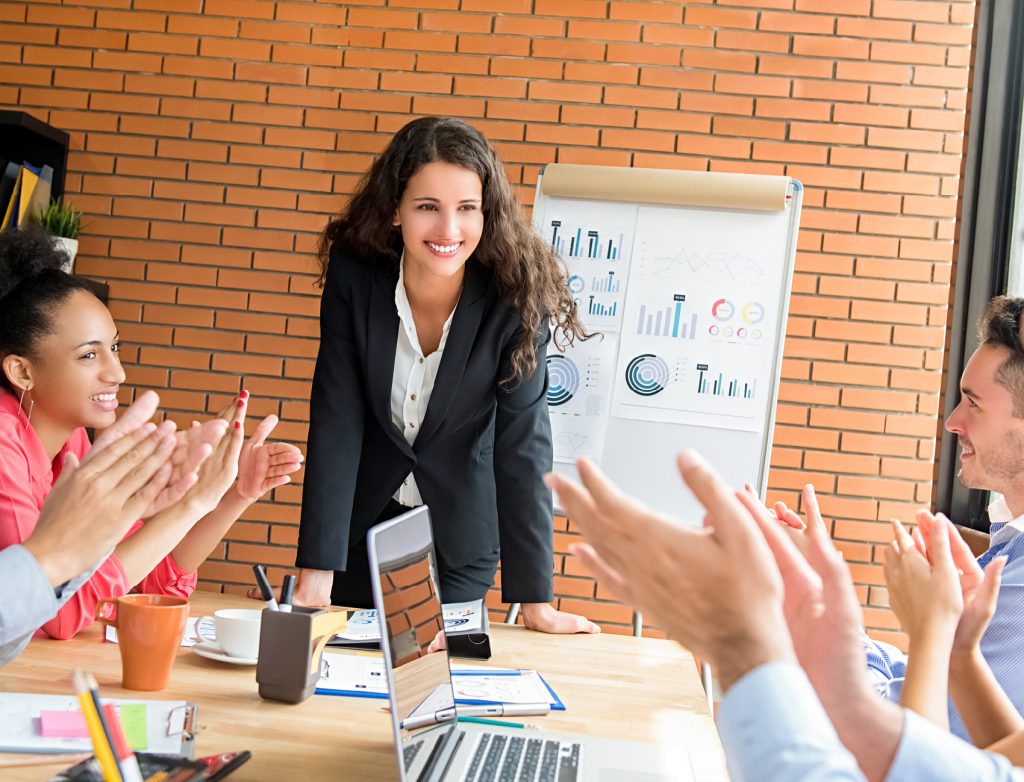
<point>430,385</point>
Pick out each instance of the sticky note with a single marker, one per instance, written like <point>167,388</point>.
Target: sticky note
<point>62,725</point>
<point>133,720</point>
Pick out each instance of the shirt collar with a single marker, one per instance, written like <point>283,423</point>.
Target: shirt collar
<point>1004,525</point>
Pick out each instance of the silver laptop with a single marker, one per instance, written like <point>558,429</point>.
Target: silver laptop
<point>431,745</point>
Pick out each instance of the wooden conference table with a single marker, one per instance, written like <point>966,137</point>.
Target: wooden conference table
<point>641,689</point>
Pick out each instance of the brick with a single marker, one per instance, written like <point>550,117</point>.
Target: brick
<point>752,85</point>
<point>874,28</point>
<point>131,20</point>
<point>593,9</point>
<point>601,72</point>
<point>752,41</point>
<point>270,73</point>
<point>685,37</point>
<point>645,12</point>
<point>444,63</point>
<point>703,16</point>
<point>644,54</point>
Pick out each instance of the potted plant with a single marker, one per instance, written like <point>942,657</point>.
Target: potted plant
<point>64,224</point>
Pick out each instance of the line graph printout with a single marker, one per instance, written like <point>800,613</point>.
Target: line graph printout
<point>693,348</point>
<point>595,241</point>
<point>579,397</point>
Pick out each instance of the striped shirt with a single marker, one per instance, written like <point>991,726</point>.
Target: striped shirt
<point>1001,645</point>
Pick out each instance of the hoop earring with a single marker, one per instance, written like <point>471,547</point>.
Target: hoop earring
<point>31,405</point>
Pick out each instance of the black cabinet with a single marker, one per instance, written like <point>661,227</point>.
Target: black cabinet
<point>25,138</point>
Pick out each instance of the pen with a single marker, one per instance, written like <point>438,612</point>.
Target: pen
<point>265,590</point>
<point>430,718</point>
<point>97,733</point>
<point>500,723</point>
<point>287,588</point>
<point>504,710</point>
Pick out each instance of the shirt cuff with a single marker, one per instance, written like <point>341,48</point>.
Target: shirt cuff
<point>36,601</point>
<point>771,720</point>
<point>926,751</point>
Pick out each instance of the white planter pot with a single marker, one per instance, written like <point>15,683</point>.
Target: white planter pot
<point>70,247</point>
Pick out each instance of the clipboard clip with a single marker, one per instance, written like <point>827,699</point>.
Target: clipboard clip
<point>188,722</point>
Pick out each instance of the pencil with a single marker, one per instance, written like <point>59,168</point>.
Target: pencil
<point>108,734</point>
<point>101,747</point>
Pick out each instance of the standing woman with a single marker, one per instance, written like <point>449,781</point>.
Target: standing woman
<point>430,385</point>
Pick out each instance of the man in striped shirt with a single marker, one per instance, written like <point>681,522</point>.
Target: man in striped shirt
<point>989,425</point>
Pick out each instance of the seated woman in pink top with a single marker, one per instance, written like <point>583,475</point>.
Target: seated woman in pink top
<point>61,375</point>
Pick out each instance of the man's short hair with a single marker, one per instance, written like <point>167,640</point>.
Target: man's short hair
<point>1000,324</point>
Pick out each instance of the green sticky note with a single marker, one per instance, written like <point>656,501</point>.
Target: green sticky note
<point>133,720</point>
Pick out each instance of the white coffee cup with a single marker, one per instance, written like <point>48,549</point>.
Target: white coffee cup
<point>235,630</point>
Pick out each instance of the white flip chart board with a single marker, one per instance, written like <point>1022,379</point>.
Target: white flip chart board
<point>687,277</point>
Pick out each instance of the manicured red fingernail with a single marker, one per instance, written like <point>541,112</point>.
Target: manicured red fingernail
<point>238,424</point>
<point>244,394</point>
<point>241,403</point>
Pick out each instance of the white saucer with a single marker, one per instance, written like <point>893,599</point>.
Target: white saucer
<point>213,652</point>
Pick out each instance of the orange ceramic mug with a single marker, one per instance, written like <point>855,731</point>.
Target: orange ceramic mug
<point>149,631</point>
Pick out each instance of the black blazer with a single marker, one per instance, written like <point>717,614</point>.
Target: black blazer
<point>481,452</point>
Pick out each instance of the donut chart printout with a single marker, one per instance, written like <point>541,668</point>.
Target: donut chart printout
<point>696,318</point>
<point>688,287</point>
<point>579,396</point>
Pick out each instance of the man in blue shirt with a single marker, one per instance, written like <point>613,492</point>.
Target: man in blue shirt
<point>989,425</point>
<point>759,629</point>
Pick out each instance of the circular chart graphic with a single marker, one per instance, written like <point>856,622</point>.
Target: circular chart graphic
<point>647,375</point>
<point>753,312</point>
<point>563,380</point>
<point>575,284</point>
<point>723,309</point>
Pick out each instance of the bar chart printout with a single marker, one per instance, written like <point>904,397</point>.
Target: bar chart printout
<point>671,321</point>
<point>573,241</point>
<point>595,242</point>
<point>717,384</point>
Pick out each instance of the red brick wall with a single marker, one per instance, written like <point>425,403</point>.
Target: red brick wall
<point>212,138</point>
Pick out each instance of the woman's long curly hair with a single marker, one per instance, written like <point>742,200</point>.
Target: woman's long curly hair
<point>527,270</point>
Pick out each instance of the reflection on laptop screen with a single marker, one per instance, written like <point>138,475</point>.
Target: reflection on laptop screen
<point>409,602</point>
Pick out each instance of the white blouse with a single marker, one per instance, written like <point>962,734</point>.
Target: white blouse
<point>412,382</point>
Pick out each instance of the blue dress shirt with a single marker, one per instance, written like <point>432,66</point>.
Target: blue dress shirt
<point>774,728</point>
<point>1001,644</point>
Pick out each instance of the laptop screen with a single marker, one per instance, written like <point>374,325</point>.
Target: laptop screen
<point>408,603</point>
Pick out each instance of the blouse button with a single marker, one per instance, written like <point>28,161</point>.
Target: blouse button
<point>421,360</point>
<point>413,397</point>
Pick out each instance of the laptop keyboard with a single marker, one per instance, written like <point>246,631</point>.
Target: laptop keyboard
<point>501,758</point>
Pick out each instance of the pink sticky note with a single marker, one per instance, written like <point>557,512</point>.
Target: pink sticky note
<point>62,725</point>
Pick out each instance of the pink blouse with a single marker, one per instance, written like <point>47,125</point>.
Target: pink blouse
<point>26,477</point>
